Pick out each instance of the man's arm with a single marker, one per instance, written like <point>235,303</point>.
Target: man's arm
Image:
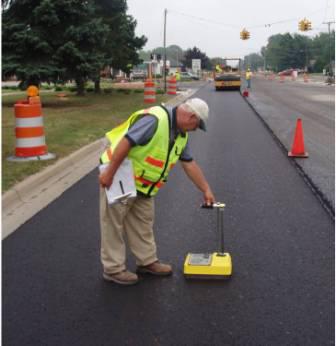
<point>196,175</point>
<point>119,154</point>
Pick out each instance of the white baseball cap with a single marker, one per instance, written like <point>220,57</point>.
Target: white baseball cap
<point>201,109</point>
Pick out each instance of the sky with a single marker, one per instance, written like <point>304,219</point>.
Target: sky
<point>214,26</point>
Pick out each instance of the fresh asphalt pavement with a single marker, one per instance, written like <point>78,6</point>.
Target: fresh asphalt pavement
<point>280,238</point>
<point>280,104</point>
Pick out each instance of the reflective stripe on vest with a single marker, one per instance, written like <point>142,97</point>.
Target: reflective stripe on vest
<point>153,161</point>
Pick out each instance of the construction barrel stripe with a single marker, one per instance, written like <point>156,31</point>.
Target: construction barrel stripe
<point>172,86</point>
<point>149,92</point>
<point>24,110</point>
<point>23,132</point>
<point>29,130</point>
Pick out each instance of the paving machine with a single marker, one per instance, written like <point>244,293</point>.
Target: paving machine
<point>228,76</point>
<point>216,265</point>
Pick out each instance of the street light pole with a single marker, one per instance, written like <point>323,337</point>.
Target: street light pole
<point>330,69</point>
<point>164,52</point>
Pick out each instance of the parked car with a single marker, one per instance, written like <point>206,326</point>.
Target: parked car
<point>188,76</point>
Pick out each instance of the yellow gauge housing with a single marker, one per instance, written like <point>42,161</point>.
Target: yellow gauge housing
<point>208,266</point>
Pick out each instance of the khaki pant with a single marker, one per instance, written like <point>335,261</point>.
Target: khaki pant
<point>134,221</point>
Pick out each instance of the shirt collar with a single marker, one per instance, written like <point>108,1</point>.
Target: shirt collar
<point>176,131</point>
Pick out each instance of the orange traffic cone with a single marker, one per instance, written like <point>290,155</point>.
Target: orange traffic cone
<point>298,149</point>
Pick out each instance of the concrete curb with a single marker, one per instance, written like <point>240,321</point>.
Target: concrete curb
<point>33,194</point>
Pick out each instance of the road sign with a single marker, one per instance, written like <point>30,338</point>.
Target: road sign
<point>196,65</point>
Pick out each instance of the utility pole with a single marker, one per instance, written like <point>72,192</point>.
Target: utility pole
<point>164,52</point>
<point>330,68</point>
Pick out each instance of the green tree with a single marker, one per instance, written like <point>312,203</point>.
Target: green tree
<point>45,40</point>
<point>322,47</point>
<point>121,50</point>
<point>81,53</point>
<point>284,51</point>
<point>195,53</point>
<point>253,61</point>
<point>26,50</point>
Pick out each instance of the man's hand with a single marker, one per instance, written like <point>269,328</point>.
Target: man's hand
<point>209,198</point>
<point>105,178</point>
<point>195,173</point>
<point>119,154</point>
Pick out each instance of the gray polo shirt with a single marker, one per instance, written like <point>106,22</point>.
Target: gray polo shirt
<point>142,131</point>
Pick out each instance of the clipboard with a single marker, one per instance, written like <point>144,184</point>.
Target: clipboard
<point>123,185</point>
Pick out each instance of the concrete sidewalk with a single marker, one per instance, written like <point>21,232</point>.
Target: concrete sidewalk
<point>33,194</point>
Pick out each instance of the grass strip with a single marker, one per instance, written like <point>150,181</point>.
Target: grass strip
<point>70,123</point>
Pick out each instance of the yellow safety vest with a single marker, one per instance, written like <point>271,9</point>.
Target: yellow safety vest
<point>153,161</point>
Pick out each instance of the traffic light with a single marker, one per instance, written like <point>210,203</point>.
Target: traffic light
<point>304,25</point>
<point>158,57</point>
<point>244,34</point>
<point>152,56</point>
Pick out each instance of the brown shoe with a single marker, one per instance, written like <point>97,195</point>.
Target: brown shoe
<point>122,278</point>
<point>156,268</point>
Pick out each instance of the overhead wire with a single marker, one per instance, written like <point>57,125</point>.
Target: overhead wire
<point>247,27</point>
<point>205,19</point>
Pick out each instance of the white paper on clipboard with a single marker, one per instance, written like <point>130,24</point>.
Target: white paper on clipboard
<point>123,185</point>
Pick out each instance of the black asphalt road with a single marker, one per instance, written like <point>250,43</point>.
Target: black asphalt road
<point>279,236</point>
<point>281,104</point>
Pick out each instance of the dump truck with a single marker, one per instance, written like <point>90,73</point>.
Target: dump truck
<point>227,76</point>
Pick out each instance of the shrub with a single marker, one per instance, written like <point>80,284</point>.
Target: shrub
<point>72,88</point>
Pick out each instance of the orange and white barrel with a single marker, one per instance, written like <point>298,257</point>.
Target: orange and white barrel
<point>149,92</point>
<point>171,90</point>
<point>29,132</point>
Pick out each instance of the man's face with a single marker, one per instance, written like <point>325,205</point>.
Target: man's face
<point>186,120</point>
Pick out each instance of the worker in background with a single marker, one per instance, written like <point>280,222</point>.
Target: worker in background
<point>218,68</point>
<point>154,140</point>
<point>248,76</point>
